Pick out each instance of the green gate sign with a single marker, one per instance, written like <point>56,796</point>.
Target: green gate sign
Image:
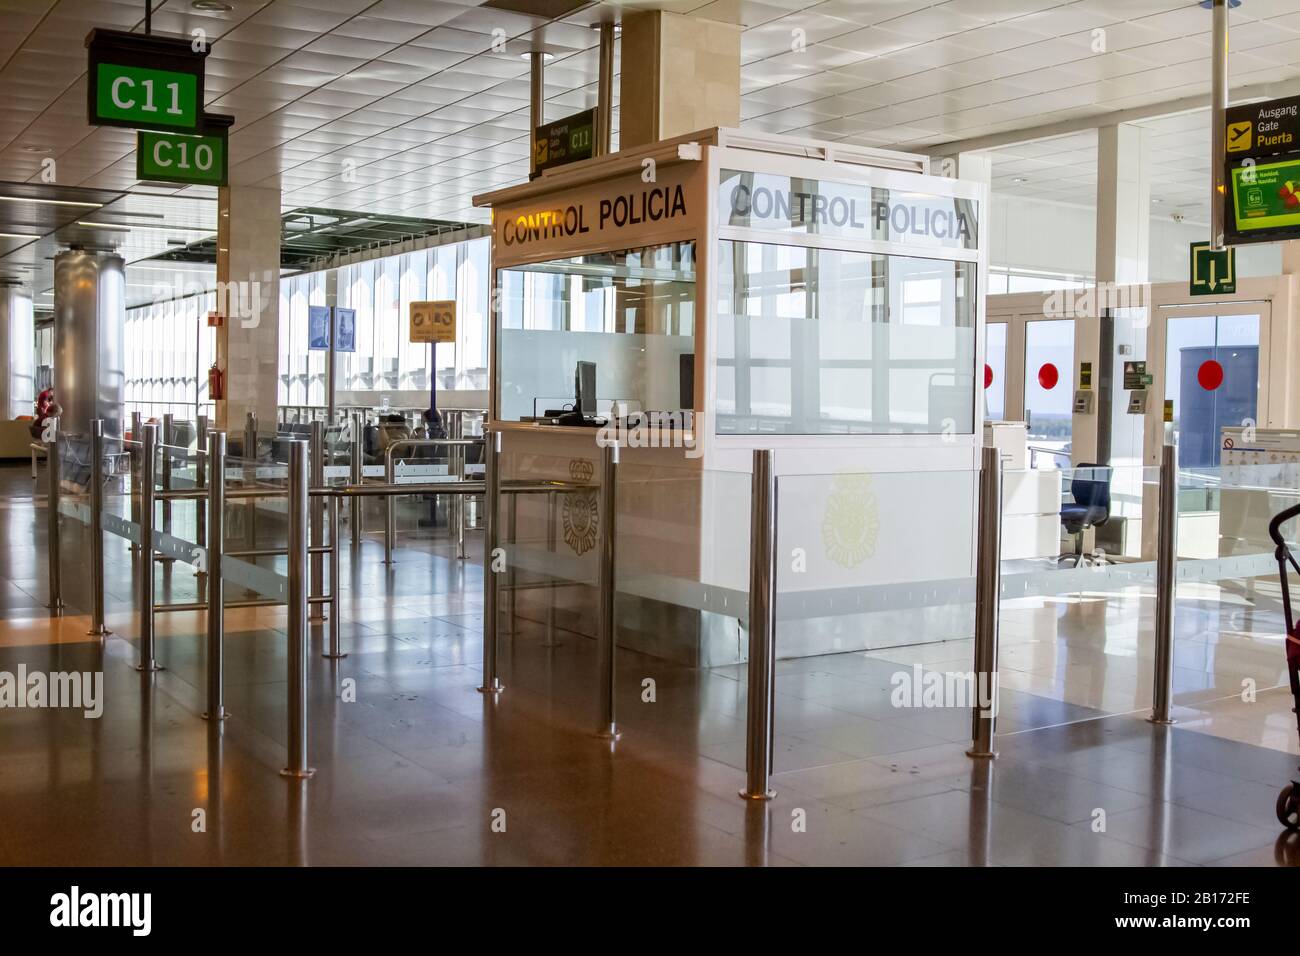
<point>143,82</point>
<point>173,158</point>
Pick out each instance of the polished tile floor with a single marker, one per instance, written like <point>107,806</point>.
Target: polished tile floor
<point>415,767</point>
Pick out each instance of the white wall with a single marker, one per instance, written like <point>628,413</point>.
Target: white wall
<point>1041,235</point>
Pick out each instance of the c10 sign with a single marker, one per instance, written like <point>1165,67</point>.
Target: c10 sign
<point>169,158</point>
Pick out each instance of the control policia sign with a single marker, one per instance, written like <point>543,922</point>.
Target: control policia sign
<point>181,158</point>
<point>1262,157</point>
<point>144,82</point>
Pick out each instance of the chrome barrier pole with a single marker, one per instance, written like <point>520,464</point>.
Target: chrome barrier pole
<point>250,459</point>
<point>606,669</point>
<point>988,593</point>
<point>1166,565</point>
<point>168,439</point>
<point>137,420</point>
<point>97,628</point>
<point>492,500</point>
<point>334,651</point>
<point>201,476</point>
<point>148,475</point>
<point>216,545</point>
<point>317,451</point>
<point>762,627</point>
<point>390,521</point>
<point>355,477</point>
<point>458,501</point>
<point>512,541</point>
<point>52,507</point>
<point>298,520</point>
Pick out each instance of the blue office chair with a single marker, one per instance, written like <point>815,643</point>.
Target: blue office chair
<point>1090,489</point>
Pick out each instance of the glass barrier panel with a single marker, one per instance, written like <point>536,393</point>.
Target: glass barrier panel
<point>74,523</point>
<point>1230,673</point>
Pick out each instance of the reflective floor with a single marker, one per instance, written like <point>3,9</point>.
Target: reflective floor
<point>415,767</point>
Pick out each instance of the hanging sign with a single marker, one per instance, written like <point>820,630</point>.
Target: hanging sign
<point>181,158</point>
<point>433,321</point>
<point>1263,129</point>
<point>345,323</point>
<point>144,82</point>
<point>564,141</point>
<point>318,328</point>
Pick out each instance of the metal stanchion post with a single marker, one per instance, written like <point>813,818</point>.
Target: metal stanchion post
<point>988,593</point>
<point>296,765</point>
<point>97,628</point>
<point>250,473</point>
<point>356,505</point>
<point>52,507</point>
<point>762,627</point>
<point>334,650</point>
<point>168,440</point>
<point>216,545</point>
<point>201,476</point>
<point>491,501</point>
<point>137,421</point>
<point>390,521</point>
<point>317,509</point>
<point>144,560</point>
<point>606,669</point>
<point>1166,564</point>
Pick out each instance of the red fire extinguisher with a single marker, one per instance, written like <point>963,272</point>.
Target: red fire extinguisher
<point>215,390</point>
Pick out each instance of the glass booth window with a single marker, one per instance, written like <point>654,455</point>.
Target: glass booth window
<point>821,341</point>
<point>632,313</point>
<point>1049,382</point>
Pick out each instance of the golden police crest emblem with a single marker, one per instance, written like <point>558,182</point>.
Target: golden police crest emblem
<point>851,522</point>
<point>581,510</point>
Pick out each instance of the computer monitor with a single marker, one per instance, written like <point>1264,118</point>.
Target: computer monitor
<point>584,384</point>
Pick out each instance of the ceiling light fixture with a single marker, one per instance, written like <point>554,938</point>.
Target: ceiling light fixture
<point>104,225</point>
<point>546,57</point>
<point>1019,180</point>
<point>212,6</point>
<point>53,202</point>
<point>17,235</point>
<point>38,149</point>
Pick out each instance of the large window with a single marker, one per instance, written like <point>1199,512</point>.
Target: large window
<point>888,348</point>
<point>169,348</point>
<point>381,291</point>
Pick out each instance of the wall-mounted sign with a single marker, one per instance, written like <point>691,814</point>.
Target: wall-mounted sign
<point>1135,376</point>
<point>433,321</point>
<point>1085,376</point>
<point>564,141</point>
<point>143,82</point>
<point>182,158</point>
<point>318,327</point>
<point>853,210</point>
<point>1213,273</point>
<point>345,339</point>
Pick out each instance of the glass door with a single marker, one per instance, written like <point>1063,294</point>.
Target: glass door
<point>1048,391</point>
<point>995,371</point>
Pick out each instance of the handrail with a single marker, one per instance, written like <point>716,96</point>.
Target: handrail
<point>390,520</point>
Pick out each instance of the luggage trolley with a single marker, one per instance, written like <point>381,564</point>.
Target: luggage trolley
<point>1288,801</point>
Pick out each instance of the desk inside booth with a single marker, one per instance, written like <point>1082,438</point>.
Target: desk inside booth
<point>720,292</point>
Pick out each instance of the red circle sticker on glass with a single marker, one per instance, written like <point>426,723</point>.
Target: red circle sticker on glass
<point>1048,376</point>
<point>1210,375</point>
<point>988,376</point>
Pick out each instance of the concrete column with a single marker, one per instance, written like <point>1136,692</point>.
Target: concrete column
<point>248,283</point>
<point>17,353</point>
<point>679,74</point>
<point>1123,242</point>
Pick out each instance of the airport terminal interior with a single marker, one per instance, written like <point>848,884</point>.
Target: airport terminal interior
<point>672,432</point>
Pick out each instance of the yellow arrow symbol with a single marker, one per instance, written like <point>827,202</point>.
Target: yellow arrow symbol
<point>1214,281</point>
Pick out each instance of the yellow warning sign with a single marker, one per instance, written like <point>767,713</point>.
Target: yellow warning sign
<point>433,321</point>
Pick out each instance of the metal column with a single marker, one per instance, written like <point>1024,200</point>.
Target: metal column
<point>97,628</point>
<point>317,508</point>
<point>491,502</point>
<point>1218,119</point>
<point>536,101</point>
<point>144,560</point>
<point>52,508</point>
<point>1166,565</point>
<point>356,505</point>
<point>606,670</point>
<point>988,593</point>
<point>762,627</point>
<point>297,765</point>
<point>605,91</point>
<point>216,545</point>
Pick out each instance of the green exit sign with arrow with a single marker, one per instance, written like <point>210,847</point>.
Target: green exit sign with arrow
<point>1213,273</point>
